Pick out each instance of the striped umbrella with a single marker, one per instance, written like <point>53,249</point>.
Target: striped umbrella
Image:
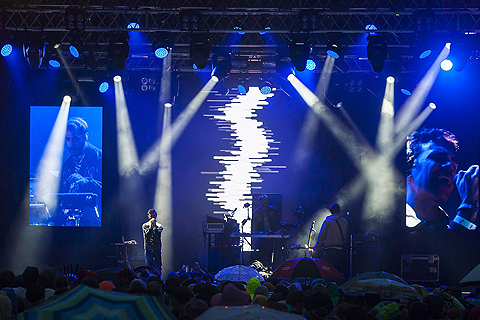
<point>83,302</point>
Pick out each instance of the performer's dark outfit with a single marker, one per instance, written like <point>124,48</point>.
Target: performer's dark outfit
<point>152,237</point>
<point>266,219</point>
<point>89,166</point>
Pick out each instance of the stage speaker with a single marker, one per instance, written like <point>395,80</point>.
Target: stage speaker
<point>420,267</point>
<point>364,253</point>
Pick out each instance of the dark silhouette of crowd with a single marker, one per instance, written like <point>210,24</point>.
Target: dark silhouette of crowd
<point>188,297</point>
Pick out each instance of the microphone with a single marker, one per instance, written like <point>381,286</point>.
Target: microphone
<point>246,205</point>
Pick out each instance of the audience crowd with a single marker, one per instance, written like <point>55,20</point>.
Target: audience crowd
<point>187,297</point>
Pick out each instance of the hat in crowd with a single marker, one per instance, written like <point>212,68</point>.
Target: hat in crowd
<point>138,284</point>
<point>317,281</point>
<point>82,274</point>
<point>332,288</point>
<point>172,274</point>
<point>385,310</point>
<point>232,296</point>
<point>269,286</point>
<point>106,285</point>
<point>252,284</point>
<point>260,300</point>
<point>295,286</point>
<point>194,308</point>
<point>154,278</point>
<point>261,290</point>
<point>277,296</point>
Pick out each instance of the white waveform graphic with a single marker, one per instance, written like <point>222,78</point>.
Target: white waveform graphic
<point>248,156</point>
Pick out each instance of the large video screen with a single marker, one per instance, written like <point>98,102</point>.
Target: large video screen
<point>65,166</point>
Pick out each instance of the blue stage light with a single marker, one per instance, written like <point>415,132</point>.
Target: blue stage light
<point>446,65</point>
<point>425,54</point>
<point>406,92</point>
<point>239,28</point>
<point>7,50</point>
<point>133,25</point>
<point>54,63</point>
<point>74,51</point>
<point>103,87</point>
<point>242,89</point>
<point>264,32</point>
<point>265,89</point>
<point>371,27</point>
<point>311,65</point>
<point>195,66</point>
<point>161,52</point>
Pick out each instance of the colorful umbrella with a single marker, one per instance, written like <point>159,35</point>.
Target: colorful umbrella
<point>83,302</point>
<point>373,275</point>
<point>306,268</point>
<point>238,273</point>
<point>246,312</point>
<point>386,288</point>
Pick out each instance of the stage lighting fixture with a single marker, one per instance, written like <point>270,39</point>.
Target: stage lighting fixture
<point>432,105</point>
<point>118,50</point>
<point>54,61</point>
<point>377,51</point>
<point>311,65</point>
<point>34,51</point>
<point>299,51</point>
<point>266,87</point>
<point>74,50</point>
<point>133,26</point>
<point>200,50</point>
<point>308,20</point>
<point>371,27</point>
<point>424,21</point>
<point>390,79</point>
<point>103,87</point>
<point>7,50</point>
<point>334,45</point>
<point>221,65</point>
<point>425,54</point>
<point>284,66</point>
<point>242,89</point>
<point>74,18</point>
<point>446,65</point>
<point>67,99</point>
<point>190,20</point>
<point>406,92</point>
<point>266,29</point>
<point>117,78</point>
<point>161,45</point>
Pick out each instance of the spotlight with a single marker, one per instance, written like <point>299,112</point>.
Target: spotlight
<point>446,65</point>
<point>406,92</point>
<point>215,79</point>
<point>74,18</point>
<point>377,51</point>
<point>311,65</point>
<point>195,67</point>
<point>54,61</point>
<point>34,52</point>
<point>133,25</point>
<point>190,20</point>
<point>67,99</point>
<point>266,29</point>
<point>334,45</point>
<point>299,51</point>
<point>118,50</point>
<point>103,87</point>
<point>371,27</point>
<point>308,20</point>
<point>74,51</point>
<point>7,50</point>
<point>425,54</point>
<point>167,104</point>
<point>161,45</point>
<point>432,105</point>
<point>339,105</point>
<point>390,79</point>
<point>284,66</point>
<point>266,88</point>
<point>242,89</point>
<point>200,51</point>
<point>117,78</point>
<point>221,65</point>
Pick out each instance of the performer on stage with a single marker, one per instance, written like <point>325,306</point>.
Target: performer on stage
<point>265,218</point>
<point>152,238</point>
<point>330,244</point>
<point>82,171</point>
<point>431,175</point>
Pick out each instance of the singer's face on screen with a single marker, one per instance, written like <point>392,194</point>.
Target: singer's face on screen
<point>433,171</point>
<point>75,143</point>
